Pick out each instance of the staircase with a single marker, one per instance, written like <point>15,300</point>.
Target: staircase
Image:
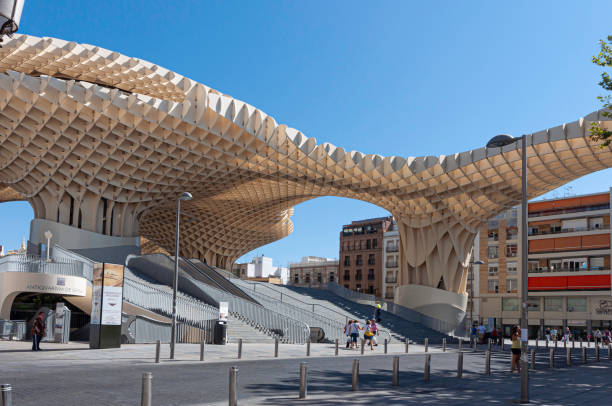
<point>237,329</point>
<point>398,327</point>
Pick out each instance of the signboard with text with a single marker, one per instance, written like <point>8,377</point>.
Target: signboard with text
<point>106,306</point>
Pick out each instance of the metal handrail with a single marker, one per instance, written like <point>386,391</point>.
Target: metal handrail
<point>35,264</point>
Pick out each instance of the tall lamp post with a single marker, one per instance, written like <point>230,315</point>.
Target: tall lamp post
<point>497,142</point>
<point>479,262</point>
<point>183,196</point>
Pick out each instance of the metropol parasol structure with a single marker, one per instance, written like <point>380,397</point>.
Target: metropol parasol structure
<point>102,145</point>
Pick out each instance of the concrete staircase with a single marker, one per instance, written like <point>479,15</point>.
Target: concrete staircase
<point>237,329</point>
<point>398,327</point>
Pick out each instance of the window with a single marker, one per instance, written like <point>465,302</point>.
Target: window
<point>493,286</point>
<point>347,275</point>
<point>307,278</point>
<point>331,276</point>
<point>511,285</point>
<point>555,264</point>
<point>371,259</point>
<point>553,304</point>
<point>493,252</point>
<point>533,304</point>
<point>596,263</point>
<point>534,231</point>
<point>511,250</point>
<point>511,233</point>
<point>533,266</point>
<point>296,279</point>
<point>574,264</point>
<point>358,261</point>
<point>596,222</point>
<point>347,261</point>
<point>369,244</point>
<point>370,274</point>
<point>573,225</point>
<point>319,278</point>
<point>374,243</point>
<point>358,276</point>
<point>512,267</point>
<point>555,228</point>
<point>370,289</point>
<point>493,236</point>
<point>510,304</point>
<point>358,287</point>
<point>493,270</point>
<point>389,292</point>
<point>576,304</point>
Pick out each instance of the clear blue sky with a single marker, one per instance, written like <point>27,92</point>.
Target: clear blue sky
<point>393,77</point>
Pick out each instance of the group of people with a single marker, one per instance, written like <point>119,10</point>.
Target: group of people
<point>553,334</point>
<point>482,334</point>
<point>352,331</point>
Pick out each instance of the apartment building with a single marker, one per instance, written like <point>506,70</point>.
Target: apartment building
<point>361,254</point>
<point>569,266</point>
<point>391,246</point>
<point>313,272</point>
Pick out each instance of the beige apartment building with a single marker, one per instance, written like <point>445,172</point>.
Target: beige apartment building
<point>569,266</point>
<point>313,272</point>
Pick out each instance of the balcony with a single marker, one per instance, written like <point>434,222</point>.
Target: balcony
<point>550,269</point>
<point>391,279</point>
<point>568,230</point>
<point>391,264</point>
<point>392,249</point>
<point>568,211</point>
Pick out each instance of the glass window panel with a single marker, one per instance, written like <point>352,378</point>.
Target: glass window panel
<point>553,304</point>
<point>576,304</point>
<point>510,304</point>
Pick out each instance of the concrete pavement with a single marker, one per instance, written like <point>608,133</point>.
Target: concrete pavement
<point>74,375</point>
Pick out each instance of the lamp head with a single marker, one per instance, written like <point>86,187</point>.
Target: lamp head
<point>479,262</point>
<point>501,140</point>
<point>185,196</point>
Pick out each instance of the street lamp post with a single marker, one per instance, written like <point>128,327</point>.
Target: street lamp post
<point>48,236</point>
<point>183,196</point>
<point>496,142</point>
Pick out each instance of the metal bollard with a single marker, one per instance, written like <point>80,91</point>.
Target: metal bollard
<point>407,343</point>
<point>547,344</point>
<point>533,364</point>
<point>537,343</point>
<point>564,343</point>
<point>551,358</point>
<point>609,353</point>
<point>597,353</point>
<point>489,345</point>
<point>427,367</point>
<point>355,380</point>
<point>240,348</point>
<point>460,345</point>
<point>202,344</point>
<point>556,342</point>
<point>475,345</point>
<point>336,350</point>
<point>276,348</point>
<point>588,342</point>
<point>584,355</point>
<point>444,345</point>
<point>303,382</point>
<point>488,363</point>
<point>145,395</point>
<point>157,351</point>
<point>362,346</point>
<point>308,348</point>
<point>395,379</point>
<point>580,342</point>
<point>233,398</point>
<point>502,343</point>
<point>6,393</point>
<point>568,357</point>
<point>426,344</point>
<point>386,345</point>
<point>459,365</point>
<point>573,342</point>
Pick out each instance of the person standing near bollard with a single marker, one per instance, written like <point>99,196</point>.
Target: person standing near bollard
<point>38,331</point>
<point>368,335</point>
<point>516,349</point>
<point>377,313</point>
<point>374,328</point>
<point>347,333</point>
<point>354,332</point>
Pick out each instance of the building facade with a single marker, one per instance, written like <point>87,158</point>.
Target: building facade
<point>390,261</point>
<point>313,272</point>
<point>568,268</point>
<point>261,269</point>
<point>361,255</point>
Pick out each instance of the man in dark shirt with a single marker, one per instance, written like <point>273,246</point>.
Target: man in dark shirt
<point>38,331</point>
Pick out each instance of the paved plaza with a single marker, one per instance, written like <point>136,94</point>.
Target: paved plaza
<point>74,375</point>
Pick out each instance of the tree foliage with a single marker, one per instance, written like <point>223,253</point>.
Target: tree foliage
<point>604,59</point>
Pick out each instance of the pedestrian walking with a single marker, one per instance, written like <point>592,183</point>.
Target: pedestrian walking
<point>377,313</point>
<point>516,349</point>
<point>38,331</point>
<point>354,331</point>
<point>368,335</point>
<point>347,333</point>
<point>375,331</point>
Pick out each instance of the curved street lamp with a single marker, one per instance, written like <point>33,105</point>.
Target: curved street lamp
<point>497,142</point>
<point>183,196</point>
